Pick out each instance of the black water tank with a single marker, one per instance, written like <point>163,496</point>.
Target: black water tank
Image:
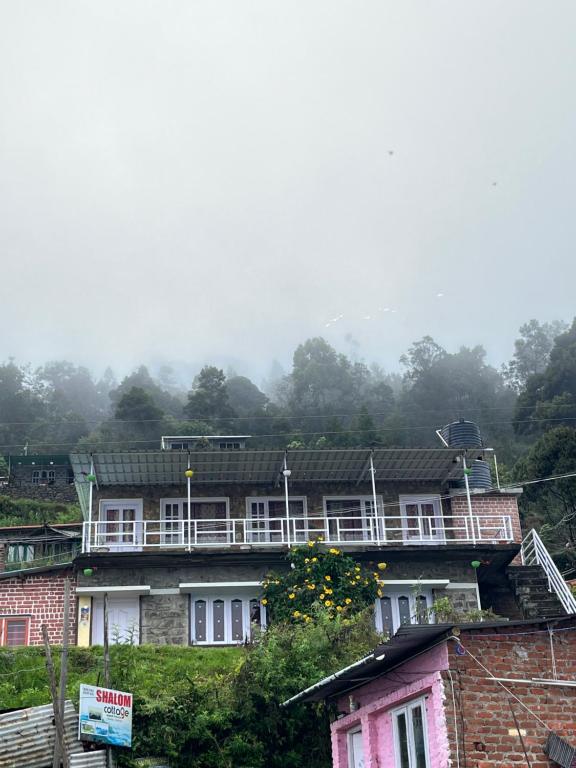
<point>480,476</point>
<point>462,434</point>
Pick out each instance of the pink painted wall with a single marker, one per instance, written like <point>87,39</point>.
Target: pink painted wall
<point>418,677</point>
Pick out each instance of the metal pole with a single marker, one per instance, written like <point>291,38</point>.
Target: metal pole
<point>468,499</point>
<point>374,497</point>
<point>286,474</point>
<point>496,470</point>
<point>107,669</point>
<point>188,482</point>
<point>90,496</point>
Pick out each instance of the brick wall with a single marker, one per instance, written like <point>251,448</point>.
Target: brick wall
<point>487,735</point>
<point>489,505</point>
<point>40,596</point>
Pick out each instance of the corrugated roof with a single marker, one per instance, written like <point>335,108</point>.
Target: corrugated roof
<point>27,736</point>
<point>265,466</point>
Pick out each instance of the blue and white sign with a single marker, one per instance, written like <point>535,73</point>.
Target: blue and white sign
<point>105,716</point>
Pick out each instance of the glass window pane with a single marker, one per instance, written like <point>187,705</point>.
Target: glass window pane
<point>16,631</point>
<point>404,610</point>
<point>402,758</point>
<point>218,621</point>
<point>386,613</point>
<point>418,736</point>
<point>237,621</point>
<point>200,621</point>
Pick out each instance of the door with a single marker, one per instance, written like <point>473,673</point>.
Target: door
<point>120,527</point>
<point>422,519</point>
<point>356,750</point>
<point>123,620</point>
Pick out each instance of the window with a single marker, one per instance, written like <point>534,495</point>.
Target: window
<point>43,476</point>
<point>410,735</point>
<point>351,518</point>
<point>422,518</point>
<point>355,749</point>
<point>209,518</point>
<point>266,519</point>
<point>120,525</point>
<point>224,620</point>
<point>20,553</point>
<point>407,605</point>
<point>229,446</point>
<point>14,630</point>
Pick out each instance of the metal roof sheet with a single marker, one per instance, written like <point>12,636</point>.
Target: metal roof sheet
<point>27,736</point>
<point>265,466</point>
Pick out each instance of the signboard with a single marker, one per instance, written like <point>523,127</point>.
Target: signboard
<point>105,716</point>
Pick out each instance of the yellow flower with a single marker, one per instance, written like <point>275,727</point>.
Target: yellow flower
<point>339,608</point>
<point>328,603</point>
<point>382,566</point>
<point>308,570</point>
<point>314,559</point>
<point>311,586</point>
<point>291,596</point>
<point>346,622</point>
<point>296,614</point>
<point>347,600</point>
<point>307,619</point>
<point>357,568</point>
<point>306,559</point>
<point>328,591</point>
<point>357,577</point>
<point>264,601</point>
<point>310,543</point>
<point>320,538</point>
<point>334,551</point>
<point>380,593</point>
<point>322,596</point>
<point>328,578</point>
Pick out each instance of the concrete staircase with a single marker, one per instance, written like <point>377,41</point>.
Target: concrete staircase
<point>529,585</point>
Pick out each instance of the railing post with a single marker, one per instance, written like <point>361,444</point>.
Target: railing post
<point>374,497</point>
<point>286,473</point>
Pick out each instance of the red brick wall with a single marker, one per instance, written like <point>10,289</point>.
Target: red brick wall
<point>487,506</point>
<point>41,597</point>
<point>486,731</point>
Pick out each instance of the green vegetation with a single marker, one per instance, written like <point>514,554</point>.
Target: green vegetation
<point>320,580</point>
<point>31,512</point>
<point>212,707</point>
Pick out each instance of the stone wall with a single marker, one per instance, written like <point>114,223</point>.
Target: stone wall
<point>60,494</point>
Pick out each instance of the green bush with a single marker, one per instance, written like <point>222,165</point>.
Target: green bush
<point>30,512</point>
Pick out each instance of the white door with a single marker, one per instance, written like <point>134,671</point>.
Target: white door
<point>120,527</point>
<point>422,519</point>
<point>356,750</point>
<point>123,620</point>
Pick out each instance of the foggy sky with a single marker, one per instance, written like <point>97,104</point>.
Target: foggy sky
<point>217,180</point>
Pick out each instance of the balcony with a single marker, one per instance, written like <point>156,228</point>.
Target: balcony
<point>357,531</point>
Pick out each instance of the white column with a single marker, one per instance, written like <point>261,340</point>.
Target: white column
<point>469,500</point>
<point>90,496</point>
<point>374,497</point>
<point>189,493</point>
<point>286,472</point>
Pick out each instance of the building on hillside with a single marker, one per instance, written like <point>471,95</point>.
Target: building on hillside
<point>181,539</point>
<point>44,477</point>
<point>203,442</point>
<point>492,694</point>
<point>34,563</point>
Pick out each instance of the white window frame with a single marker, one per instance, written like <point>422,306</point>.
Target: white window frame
<point>350,745</point>
<point>411,592</point>
<point>439,535</point>
<point>166,535</point>
<point>227,596</point>
<point>115,541</point>
<point>254,536</point>
<point>365,514</point>
<point>406,709</point>
<point>37,478</point>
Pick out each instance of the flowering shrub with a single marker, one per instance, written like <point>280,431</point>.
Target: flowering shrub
<point>320,579</point>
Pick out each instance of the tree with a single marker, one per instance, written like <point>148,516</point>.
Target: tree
<point>532,351</point>
<point>244,397</point>
<point>551,505</point>
<point>550,396</point>
<point>421,357</point>
<point>137,406</point>
<point>21,407</point>
<point>208,398</point>
<point>142,379</point>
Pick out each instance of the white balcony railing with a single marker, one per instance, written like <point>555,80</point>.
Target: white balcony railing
<point>139,535</point>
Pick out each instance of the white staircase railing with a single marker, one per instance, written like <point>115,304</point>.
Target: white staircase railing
<point>534,552</point>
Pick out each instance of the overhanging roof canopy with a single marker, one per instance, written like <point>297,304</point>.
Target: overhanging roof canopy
<point>351,465</point>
